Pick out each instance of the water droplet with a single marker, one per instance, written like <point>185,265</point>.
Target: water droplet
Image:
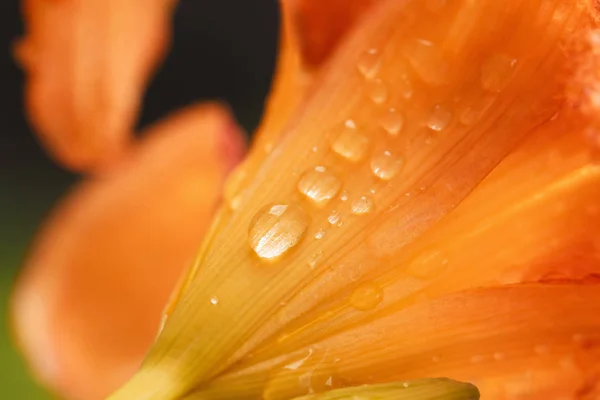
<point>497,71</point>
<point>344,196</point>
<point>366,297</point>
<point>275,229</point>
<point>335,218</point>
<point>439,118</point>
<point>378,92</point>
<point>474,112</point>
<point>435,5</point>
<point>235,202</point>
<point>369,63</point>
<point>233,186</point>
<point>404,87</point>
<point>362,205</point>
<point>320,234</point>
<point>392,121</point>
<point>385,165</point>
<point>350,143</point>
<point>427,61</point>
<point>477,359</point>
<point>214,300</point>
<point>431,264</point>
<point>319,185</point>
<point>313,261</point>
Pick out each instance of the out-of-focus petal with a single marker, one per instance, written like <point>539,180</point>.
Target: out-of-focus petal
<point>423,389</point>
<point>414,110</point>
<point>87,63</point>
<point>89,301</point>
<point>529,342</point>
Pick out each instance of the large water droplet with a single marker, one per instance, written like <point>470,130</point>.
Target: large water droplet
<point>350,143</point>
<point>439,118</point>
<point>392,121</point>
<point>497,71</point>
<point>366,297</point>
<point>369,63</point>
<point>362,205</point>
<point>385,165</point>
<point>377,91</point>
<point>277,228</point>
<point>427,61</point>
<point>319,185</point>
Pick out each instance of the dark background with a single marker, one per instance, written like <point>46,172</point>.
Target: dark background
<point>222,49</point>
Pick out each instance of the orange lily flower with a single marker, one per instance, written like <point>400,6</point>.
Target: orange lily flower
<point>419,201</point>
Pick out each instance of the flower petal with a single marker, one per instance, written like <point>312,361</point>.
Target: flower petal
<point>355,178</point>
<point>527,342</point>
<point>423,389</point>
<point>86,70</point>
<point>89,301</point>
<point>508,230</point>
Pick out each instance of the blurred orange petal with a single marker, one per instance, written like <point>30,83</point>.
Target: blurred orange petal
<point>413,111</point>
<point>89,302</point>
<point>530,342</point>
<point>86,70</point>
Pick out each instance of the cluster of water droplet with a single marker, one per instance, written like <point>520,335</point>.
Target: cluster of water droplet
<point>278,228</point>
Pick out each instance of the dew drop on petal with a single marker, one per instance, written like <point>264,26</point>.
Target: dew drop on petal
<point>427,61</point>
<point>344,196</point>
<point>233,187</point>
<point>214,300</point>
<point>404,87</point>
<point>275,229</point>
<point>350,143</point>
<point>335,218</point>
<point>366,296</point>
<point>313,260</point>
<point>369,63</point>
<point>362,205</point>
<point>385,165</point>
<point>439,118</point>
<point>497,71</point>
<point>320,234</point>
<point>378,92</point>
<point>392,121</point>
<point>319,185</point>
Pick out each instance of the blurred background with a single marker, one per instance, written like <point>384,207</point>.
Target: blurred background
<point>222,49</point>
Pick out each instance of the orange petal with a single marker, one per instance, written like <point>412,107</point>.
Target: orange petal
<point>508,230</point>
<point>89,302</point>
<point>523,342</point>
<point>310,32</point>
<point>86,70</point>
<point>385,121</point>
<point>320,25</point>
